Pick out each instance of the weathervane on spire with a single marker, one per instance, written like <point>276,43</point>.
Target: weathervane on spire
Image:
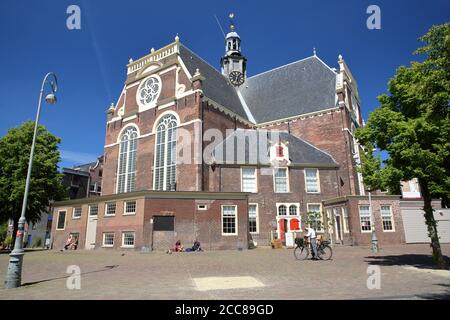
<point>231,16</point>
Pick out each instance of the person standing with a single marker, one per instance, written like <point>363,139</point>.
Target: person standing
<point>312,240</point>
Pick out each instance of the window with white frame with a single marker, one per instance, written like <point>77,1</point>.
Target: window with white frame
<point>345,215</point>
<point>93,209</point>
<point>110,209</point>
<point>365,219</point>
<point>126,175</point>
<point>312,180</point>
<point>293,210</point>
<point>130,207</point>
<point>76,213</point>
<point>281,180</point>
<point>165,154</point>
<point>316,218</point>
<point>61,220</point>
<point>282,210</point>
<point>128,239</point>
<point>330,218</point>
<point>229,220</point>
<point>108,239</point>
<point>248,176</point>
<point>386,217</point>
<point>253,218</point>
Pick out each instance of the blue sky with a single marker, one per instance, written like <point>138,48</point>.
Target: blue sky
<point>90,63</point>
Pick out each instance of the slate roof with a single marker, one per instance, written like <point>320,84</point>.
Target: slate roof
<point>300,151</point>
<point>301,87</point>
<point>216,86</point>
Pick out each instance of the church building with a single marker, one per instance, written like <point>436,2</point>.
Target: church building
<point>194,153</point>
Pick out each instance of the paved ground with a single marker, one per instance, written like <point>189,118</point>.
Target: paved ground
<point>267,274</point>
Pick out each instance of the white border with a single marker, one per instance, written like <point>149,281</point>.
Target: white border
<point>256,179</point>
<point>236,220</point>
<point>318,181</point>
<point>65,219</point>
<point>257,217</point>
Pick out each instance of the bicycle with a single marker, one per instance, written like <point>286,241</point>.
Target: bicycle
<point>301,251</point>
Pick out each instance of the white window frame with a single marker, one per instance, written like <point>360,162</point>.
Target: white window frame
<point>65,219</point>
<point>318,180</point>
<point>257,217</point>
<point>123,239</point>
<point>103,241</point>
<point>235,221</point>
<point>391,217</point>
<point>255,170</point>
<point>125,213</point>
<point>320,214</point>
<point>360,221</point>
<point>287,180</point>
<point>128,155</point>
<point>288,217</point>
<point>107,204</point>
<point>89,211</point>
<point>345,220</point>
<point>73,213</point>
<point>165,166</point>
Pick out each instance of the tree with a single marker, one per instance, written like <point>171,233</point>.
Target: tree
<point>45,184</point>
<point>413,125</point>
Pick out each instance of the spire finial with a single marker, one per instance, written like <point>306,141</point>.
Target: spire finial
<point>177,38</point>
<point>231,16</point>
<point>314,51</point>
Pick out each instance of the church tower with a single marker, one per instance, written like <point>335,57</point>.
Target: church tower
<point>233,63</point>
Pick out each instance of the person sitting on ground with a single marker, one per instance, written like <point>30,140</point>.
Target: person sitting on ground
<point>68,242</point>
<point>178,247</point>
<point>195,247</point>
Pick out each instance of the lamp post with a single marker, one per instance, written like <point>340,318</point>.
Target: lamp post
<point>374,235</point>
<point>14,273</point>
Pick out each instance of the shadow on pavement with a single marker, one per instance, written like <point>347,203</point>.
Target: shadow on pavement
<point>423,261</point>
<point>437,296</point>
<point>106,268</point>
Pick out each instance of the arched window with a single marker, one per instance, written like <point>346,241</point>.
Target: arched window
<point>165,154</point>
<point>293,210</point>
<point>282,210</point>
<point>126,175</point>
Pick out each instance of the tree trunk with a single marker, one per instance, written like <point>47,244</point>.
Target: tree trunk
<point>431,226</point>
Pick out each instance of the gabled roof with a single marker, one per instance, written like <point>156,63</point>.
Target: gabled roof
<point>297,88</point>
<point>300,151</point>
<point>216,86</point>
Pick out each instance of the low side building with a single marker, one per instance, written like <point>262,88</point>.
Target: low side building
<point>154,220</point>
<point>350,219</point>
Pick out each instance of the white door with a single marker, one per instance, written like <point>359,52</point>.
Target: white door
<point>91,232</point>
<point>416,229</point>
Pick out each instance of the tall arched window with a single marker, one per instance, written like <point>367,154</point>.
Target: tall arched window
<point>126,175</point>
<point>165,153</point>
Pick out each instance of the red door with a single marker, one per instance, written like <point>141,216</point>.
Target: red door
<point>281,227</point>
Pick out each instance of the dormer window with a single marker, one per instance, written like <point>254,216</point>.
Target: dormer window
<point>280,151</point>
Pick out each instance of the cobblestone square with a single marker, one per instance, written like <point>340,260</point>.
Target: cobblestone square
<point>265,274</point>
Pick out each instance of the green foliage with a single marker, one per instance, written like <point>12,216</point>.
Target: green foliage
<point>37,243</point>
<point>313,219</point>
<point>45,184</point>
<point>3,230</point>
<point>413,125</point>
<point>8,241</point>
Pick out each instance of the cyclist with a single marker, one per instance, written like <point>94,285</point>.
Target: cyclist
<point>312,240</point>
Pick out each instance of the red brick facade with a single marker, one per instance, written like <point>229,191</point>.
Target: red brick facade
<point>181,95</point>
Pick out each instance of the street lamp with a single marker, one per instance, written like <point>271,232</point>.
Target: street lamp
<point>374,235</point>
<point>14,273</point>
